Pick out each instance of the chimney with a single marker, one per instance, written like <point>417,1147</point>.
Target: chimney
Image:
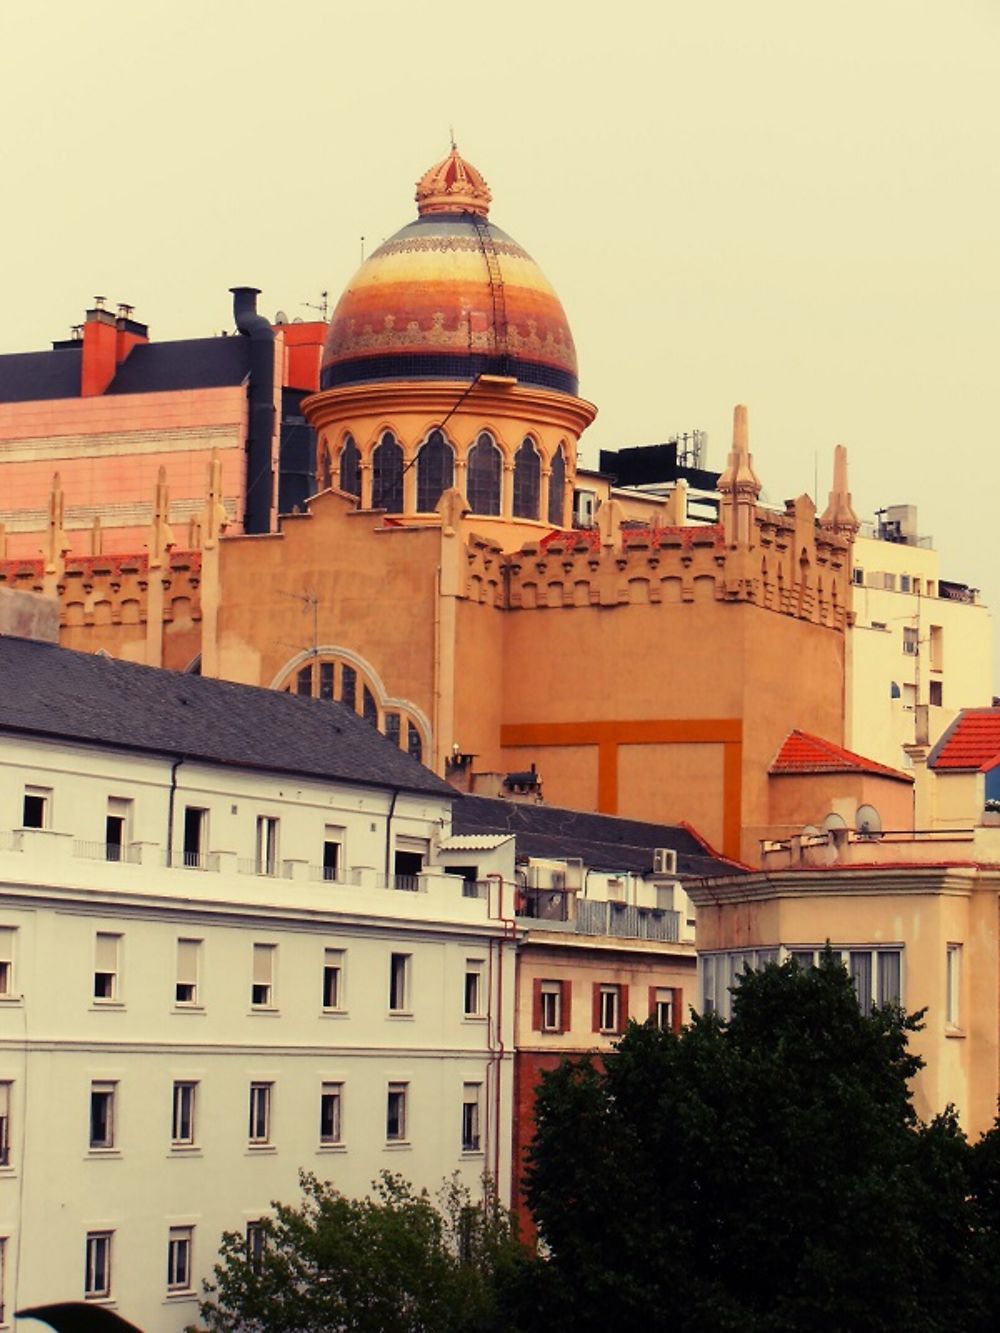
<point>107,341</point>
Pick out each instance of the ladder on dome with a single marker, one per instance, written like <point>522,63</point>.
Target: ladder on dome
<point>488,248</point>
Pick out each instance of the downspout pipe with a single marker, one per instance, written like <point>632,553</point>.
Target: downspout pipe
<point>170,808</point>
<point>260,431</point>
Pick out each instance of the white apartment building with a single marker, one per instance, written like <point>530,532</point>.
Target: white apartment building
<point>918,639</point>
<point>228,951</point>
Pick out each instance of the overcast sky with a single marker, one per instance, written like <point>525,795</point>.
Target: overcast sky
<point>776,202</point>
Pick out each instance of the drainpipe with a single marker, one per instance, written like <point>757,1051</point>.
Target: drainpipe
<point>388,838</point>
<point>170,810</point>
<point>260,432</point>
<point>497,1055</point>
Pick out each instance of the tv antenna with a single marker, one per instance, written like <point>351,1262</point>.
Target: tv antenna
<point>323,306</point>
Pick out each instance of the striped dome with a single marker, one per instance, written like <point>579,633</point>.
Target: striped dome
<point>451,296</point>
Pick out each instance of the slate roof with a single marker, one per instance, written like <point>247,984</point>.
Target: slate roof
<point>50,691</point>
<point>191,363</point>
<point>604,842</point>
<point>971,742</point>
<point>802,753</point>
<point>31,377</point>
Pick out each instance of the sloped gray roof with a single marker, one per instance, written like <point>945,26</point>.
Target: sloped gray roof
<point>603,842</point>
<point>54,692</point>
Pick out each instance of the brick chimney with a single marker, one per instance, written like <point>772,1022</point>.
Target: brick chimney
<point>107,341</point>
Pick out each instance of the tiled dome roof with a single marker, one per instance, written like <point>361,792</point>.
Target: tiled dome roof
<point>450,296</point>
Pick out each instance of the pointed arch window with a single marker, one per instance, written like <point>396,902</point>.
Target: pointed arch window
<point>483,473</point>
<point>329,676</point>
<point>350,467</point>
<point>527,479</point>
<point>557,489</point>
<point>435,471</point>
<point>387,474</point>
<point>326,468</point>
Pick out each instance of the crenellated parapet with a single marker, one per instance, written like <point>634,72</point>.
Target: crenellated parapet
<point>114,590</point>
<point>485,572</point>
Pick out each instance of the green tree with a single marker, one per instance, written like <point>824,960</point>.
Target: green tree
<point>394,1262</point>
<point>765,1173</point>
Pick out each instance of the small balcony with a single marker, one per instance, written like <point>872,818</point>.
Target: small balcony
<point>130,853</point>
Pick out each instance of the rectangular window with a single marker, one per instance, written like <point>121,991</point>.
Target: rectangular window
<point>333,979</point>
<point>904,583</point>
<point>552,1016</point>
<point>37,810</point>
<point>399,983</point>
<point>182,1123</point>
<point>395,1113</point>
<point>107,966</point>
<point>663,1008</point>
<point>256,1244</point>
<point>260,1113</point>
<point>179,1247</point>
<point>937,648</point>
<point>608,1008</point>
<point>326,680</point>
<point>195,837</point>
<point>471,1097</point>
<point>117,827</point>
<point>333,858</point>
<point>911,640</point>
<point>97,1275</point>
<point>188,960</point>
<point>6,1090</point>
<point>102,1115</point>
<point>3,1279</point>
<point>473,998</point>
<point>858,575</point>
<point>330,1106</point>
<point>267,845</point>
<point>6,960</point>
<point>262,985</point>
<point>935,693</point>
<point>953,981</point>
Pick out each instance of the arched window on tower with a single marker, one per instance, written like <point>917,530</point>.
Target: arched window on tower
<point>387,475</point>
<point>527,479</point>
<point>350,467</point>
<point>325,468</point>
<point>435,471</point>
<point>557,489</point>
<point>482,479</point>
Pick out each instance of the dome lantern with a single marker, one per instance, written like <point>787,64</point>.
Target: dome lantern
<point>453,186</point>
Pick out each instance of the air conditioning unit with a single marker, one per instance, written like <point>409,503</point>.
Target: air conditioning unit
<point>616,890</point>
<point>664,861</point>
<point>584,505</point>
<point>544,874</point>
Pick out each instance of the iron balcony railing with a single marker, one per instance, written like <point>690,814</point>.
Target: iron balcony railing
<point>107,851</point>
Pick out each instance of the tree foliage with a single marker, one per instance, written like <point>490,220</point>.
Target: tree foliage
<point>764,1173</point>
<point>394,1262</point>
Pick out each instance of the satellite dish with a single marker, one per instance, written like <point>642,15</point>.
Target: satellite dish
<point>281,318</point>
<point>297,320</point>
<point>832,821</point>
<point>868,822</point>
<point>810,831</point>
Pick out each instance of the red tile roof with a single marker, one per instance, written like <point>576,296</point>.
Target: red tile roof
<point>971,742</point>
<point>802,753</point>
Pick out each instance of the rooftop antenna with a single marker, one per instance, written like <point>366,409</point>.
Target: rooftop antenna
<point>362,249</point>
<point>451,136</point>
<point>323,306</point>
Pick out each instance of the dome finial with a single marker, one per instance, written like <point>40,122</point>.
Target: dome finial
<point>453,186</point>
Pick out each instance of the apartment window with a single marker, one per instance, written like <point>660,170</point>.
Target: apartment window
<point>37,807</point>
<point>116,827</point>
<point>953,981</point>
<point>256,1244</point>
<point>399,983</point>
<point>395,1112</point>
<point>473,988</point>
<point>858,575</point>
<point>936,646</point>
<point>102,1115</point>
<point>6,960</point>
<point>330,1107</point>
<point>911,640</point>
<point>904,583</point>
<point>107,966</point>
<point>664,1008</point>
<point>182,1123</point>
<point>179,1247</point>
<point>5,1099</point>
<point>875,972</point>
<point>610,1004</point>
<point>333,979</point>
<point>97,1274</point>
<point>551,1006</point>
<point>471,1098</point>
<point>195,836</point>
<point>188,961</point>
<point>260,1113</point>
<point>935,693</point>
<point>721,972</point>
<point>262,986</point>
<point>267,845</point>
<point>333,857</point>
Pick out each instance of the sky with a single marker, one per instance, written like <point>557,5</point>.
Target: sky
<point>790,205</point>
